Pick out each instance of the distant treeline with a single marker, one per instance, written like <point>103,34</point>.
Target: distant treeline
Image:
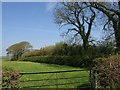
<point>64,49</point>
<point>64,54</point>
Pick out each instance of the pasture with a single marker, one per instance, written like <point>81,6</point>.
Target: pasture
<point>22,66</point>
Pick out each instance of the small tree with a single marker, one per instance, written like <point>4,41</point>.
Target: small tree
<point>16,50</point>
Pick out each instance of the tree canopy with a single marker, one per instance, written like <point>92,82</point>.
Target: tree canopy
<point>111,10</point>
<point>81,16</point>
<point>16,50</point>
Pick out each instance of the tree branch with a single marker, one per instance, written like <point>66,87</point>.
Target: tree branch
<point>102,9</point>
<point>115,11</point>
<point>90,24</point>
<point>73,29</point>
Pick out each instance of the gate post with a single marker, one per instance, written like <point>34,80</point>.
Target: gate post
<point>92,80</point>
<point>57,82</point>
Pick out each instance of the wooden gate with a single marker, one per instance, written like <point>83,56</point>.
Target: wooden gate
<point>56,79</point>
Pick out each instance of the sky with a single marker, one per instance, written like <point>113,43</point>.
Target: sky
<point>32,22</point>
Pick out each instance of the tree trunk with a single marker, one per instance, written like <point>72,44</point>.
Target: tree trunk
<point>117,31</point>
<point>85,44</point>
<point>116,27</point>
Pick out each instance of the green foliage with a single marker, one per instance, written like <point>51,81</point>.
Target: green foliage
<point>15,51</point>
<point>75,61</point>
<point>64,54</point>
<point>62,49</point>
<point>10,78</point>
<point>108,72</point>
<point>57,49</point>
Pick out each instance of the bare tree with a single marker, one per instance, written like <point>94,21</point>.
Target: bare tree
<point>111,10</point>
<point>79,16</point>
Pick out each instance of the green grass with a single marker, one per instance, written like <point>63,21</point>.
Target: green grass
<point>40,67</point>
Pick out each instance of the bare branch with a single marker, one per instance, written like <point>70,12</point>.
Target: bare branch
<point>90,24</point>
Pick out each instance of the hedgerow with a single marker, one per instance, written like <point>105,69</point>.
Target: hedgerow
<point>75,61</point>
<point>10,78</point>
<point>108,72</point>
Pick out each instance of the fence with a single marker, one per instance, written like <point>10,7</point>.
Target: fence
<point>56,79</point>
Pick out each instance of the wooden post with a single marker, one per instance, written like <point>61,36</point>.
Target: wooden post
<point>92,80</point>
<point>57,82</point>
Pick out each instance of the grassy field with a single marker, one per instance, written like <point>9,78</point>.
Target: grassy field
<point>40,67</point>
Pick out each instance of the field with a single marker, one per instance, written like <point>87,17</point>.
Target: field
<point>41,67</point>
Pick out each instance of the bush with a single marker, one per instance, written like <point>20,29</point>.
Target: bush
<point>75,61</point>
<point>108,72</point>
<point>10,78</point>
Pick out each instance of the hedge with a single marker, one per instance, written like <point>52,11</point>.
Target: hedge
<point>75,61</point>
<point>10,79</point>
<point>108,72</point>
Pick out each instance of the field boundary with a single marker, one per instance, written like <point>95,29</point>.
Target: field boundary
<point>56,79</point>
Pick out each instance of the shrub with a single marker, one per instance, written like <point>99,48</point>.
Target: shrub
<point>10,78</point>
<point>108,72</point>
<point>75,61</point>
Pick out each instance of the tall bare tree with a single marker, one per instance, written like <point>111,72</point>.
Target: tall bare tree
<point>111,10</point>
<point>79,16</point>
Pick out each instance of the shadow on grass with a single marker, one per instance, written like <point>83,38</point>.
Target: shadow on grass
<point>83,86</point>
